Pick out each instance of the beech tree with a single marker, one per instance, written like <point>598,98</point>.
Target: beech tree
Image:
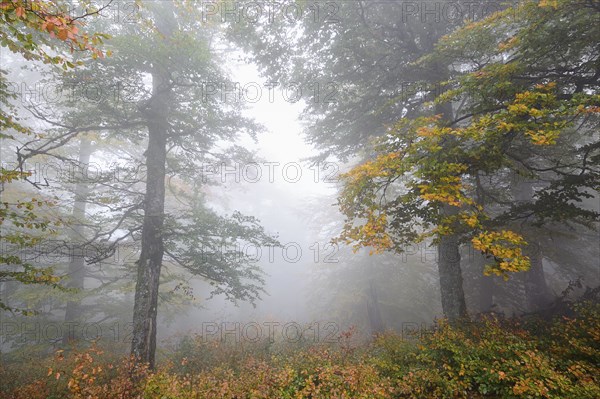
<point>364,61</point>
<point>163,64</point>
<point>37,31</point>
<point>522,110</point>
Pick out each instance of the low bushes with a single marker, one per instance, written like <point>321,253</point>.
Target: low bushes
<point>498,359</point>
<point>489,358</point>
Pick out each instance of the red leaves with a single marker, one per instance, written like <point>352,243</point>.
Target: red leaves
<point>62,34</point>
<point>40,15</point>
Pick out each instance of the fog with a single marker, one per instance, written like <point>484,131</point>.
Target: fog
<point>382,203</point>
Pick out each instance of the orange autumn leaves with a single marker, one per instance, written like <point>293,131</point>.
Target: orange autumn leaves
<point>60,27</point>
<point>37,31</point>
<point>435,163</point>
<point>42,16</point>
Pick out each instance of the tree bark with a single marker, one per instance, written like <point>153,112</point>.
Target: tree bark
<point>373,310</point>
<point>537,293</point>
<point>451,281</point>
<point>485,285</point>
<point>143,345</point>
<point>76,270</point>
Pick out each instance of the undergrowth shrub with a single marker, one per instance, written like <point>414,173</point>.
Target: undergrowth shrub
<point>498,359</point>
<point>78,374</point>
<point>489,358</point>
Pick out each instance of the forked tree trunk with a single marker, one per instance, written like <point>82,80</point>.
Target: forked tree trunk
<point>76,270</point>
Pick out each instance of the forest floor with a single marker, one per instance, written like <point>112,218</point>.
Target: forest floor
<point>487,358</point>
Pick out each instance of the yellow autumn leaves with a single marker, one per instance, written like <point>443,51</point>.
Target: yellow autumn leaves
<point>429,165</point>
<point>505,247</point>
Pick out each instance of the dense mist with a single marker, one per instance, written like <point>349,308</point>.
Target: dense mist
<point>401,194</point>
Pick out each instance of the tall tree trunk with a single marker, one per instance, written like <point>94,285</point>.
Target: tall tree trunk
<point>451,281</point>
<point>485,285</point>
<point>143,345</point>
<point>373,310</point>
<point>76,269</point>
<point>537,293</point>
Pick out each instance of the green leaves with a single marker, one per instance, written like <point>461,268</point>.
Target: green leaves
<point>521,111</point>
<point>33,29</point>
<point>220,249</point>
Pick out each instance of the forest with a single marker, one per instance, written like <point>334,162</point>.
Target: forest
<point>288,199</point>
